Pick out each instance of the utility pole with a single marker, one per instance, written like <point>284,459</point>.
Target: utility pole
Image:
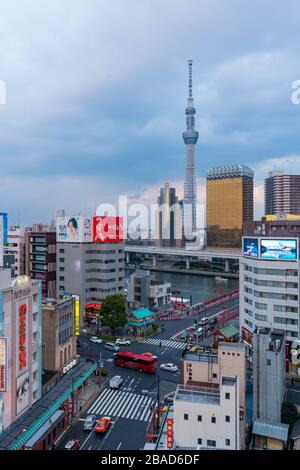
<point>158,402</point>
<point>100,360</point>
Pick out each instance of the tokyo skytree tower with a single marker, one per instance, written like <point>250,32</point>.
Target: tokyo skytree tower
<point>190,137</point>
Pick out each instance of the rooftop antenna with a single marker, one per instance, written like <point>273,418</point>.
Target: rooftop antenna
<point>190,62</point>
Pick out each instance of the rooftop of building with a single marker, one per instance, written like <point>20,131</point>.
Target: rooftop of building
<point>142,313</point>
<point>230,171</point>
<point>200,354</point>
<point>197,394</point>
<point>53,303</point>
<point>271,429</point>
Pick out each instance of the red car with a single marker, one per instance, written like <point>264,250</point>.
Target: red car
<point>103,424</point>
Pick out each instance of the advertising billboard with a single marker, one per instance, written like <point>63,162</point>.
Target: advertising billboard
<point>250,247</point>
<point>73,229</point>
<point>3,228</point>
<point>76,312</point>
<point>3,364</point>
<point>23,392</point>
<point>278,249</point>
<point>108,229</point>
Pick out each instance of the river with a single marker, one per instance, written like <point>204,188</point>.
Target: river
<point>199,287</point>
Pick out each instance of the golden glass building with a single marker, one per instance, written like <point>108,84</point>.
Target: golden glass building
<point>229,203</point>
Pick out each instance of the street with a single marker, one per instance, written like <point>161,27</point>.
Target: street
<point>130,406</point>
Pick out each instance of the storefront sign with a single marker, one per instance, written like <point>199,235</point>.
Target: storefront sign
<point>69,366</point>
<point>3,364</point>
<point>22,337</point>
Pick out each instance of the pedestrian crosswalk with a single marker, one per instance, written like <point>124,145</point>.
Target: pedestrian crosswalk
<point>122,404</point>
<point>164,343</point>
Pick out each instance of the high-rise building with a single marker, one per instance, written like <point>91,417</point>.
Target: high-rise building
<point>229,203</point>
<point>90,259</point>
<point>168,218</point>
<point>40,258</point>
<point>20,346</point>
<point>269,286</point>
<point>282,193</point>
<point>190,137</point>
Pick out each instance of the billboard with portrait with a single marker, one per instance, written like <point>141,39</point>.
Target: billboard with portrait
<point>73,229</point>
<point>250,247</point>
<point>23,383</point>
<point>108,229</point>
<point>278,249</point>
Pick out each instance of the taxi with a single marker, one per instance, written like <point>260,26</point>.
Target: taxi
<point>103,425</point>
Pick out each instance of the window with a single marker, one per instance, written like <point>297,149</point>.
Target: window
<point>227,442</point>
<point>213,419</point>
<point>199,418</point>
<point>199,441</point>
<point>214,376</point>
<point>186,417</point>
<point>227,396</point>
<point>61,250</point>
<point>227,419</point>
<point>268,362</point>
<point>211,443</point>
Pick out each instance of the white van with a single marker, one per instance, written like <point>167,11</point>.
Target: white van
<point>115,382</point>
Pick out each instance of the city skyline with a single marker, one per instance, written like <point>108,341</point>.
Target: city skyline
<point>106,123</point>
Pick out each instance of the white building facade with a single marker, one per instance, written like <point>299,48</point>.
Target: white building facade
<point>269,287</point>
<point>208,418</point>
<point>16,247</point>
<point>20,346</point>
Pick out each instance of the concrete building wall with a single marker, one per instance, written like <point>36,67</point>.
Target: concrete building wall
<point>278,282</point>
<point>268,375</point>
<point>189,429</point>
<point>91,270</point>
<point>23,376</point>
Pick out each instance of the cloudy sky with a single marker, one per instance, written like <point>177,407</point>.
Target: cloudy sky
<point>96,92</point>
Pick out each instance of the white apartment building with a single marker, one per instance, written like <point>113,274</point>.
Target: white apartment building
<point>269,287</point>
<point>16,247</point>
<point>20,346</point>
<point>208,418</point>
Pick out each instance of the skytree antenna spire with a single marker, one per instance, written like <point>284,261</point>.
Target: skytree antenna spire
<point>190,137</point>
<point>190,62</point>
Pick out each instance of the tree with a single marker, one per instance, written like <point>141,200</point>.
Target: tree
<point>113,312</point>
<point>289,413</point>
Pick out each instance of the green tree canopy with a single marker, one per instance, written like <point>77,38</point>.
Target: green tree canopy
<point>113,312</point>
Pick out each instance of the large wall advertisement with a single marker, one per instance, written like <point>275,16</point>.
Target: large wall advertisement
<point>250,247</point>
<point>73,229</point>
<point>3,364</point>
<point>271,248</point>
<point>108,229</point>
<point>279,249</point>
<point>22,392</point>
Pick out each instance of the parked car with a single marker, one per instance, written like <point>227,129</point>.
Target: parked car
<point>112,347</point>
<point>200,331</point>
<point>103,424</point>
<point>74,444</point>
<point>149,354</point>
<point>123,341</point>
<point>89,423</point>
<point>115,382</point>
<point>203,321</point>
<point>96,340</point>
<point>213,321</point>
<point>169,367</point>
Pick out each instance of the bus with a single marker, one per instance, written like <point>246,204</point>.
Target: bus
<point>135,361</point>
